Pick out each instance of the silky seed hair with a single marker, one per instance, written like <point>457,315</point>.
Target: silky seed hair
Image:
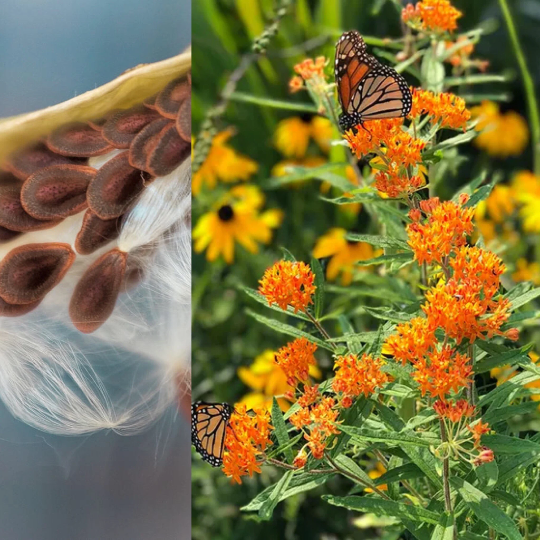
<point>95,239</point>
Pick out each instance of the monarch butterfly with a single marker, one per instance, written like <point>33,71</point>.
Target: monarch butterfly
<point>209,423</point>
<point>367,90</point>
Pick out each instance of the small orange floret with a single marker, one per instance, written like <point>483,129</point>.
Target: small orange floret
<point>355,376</point>
<point>296,84</point>
<point>446,229</point>
<point>432,15</point>
<point>246,439</point>
<point>309,68</point>
<point>454,411</point>
<point>288,283</point>
<point>412,340</point>
<point>477,430</point>
<point>486,456</point>
<point>442,372</point>
<point>448,109</point>
<point>295,358</point>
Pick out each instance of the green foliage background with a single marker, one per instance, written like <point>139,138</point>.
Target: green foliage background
<point>224,336</point>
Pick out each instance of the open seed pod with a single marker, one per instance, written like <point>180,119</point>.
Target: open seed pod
<point>94,194</point>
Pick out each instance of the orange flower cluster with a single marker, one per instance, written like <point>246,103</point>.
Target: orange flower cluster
<point>466,306</point>
<point>454,411</point>
<point>246,439</point>
<point>316,418</point>
<point>309,68</point>
<point>355,376</point>
<point>448,109</point>
<point>477,431</point>
<point>397,151</point>
<point>295,358</point>
<point>441,372</point>
<point>446,228</point>
<point>432,15</point>
<point>288,283</point>
<point>411,340</point>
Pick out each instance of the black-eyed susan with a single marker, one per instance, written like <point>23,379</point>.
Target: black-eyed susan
<point>224,164</point>
<point>526,187</point>
<point>501,134</point>
<point>343,254</point>
<point>527,271</point>
<point>235,220</point>
<point>292,135</point>
<point>267,379</point>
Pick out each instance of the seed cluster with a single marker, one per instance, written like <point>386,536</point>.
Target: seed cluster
<point>44,184</point>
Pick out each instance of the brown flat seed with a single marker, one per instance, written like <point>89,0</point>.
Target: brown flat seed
<point>96,232</point>
<point>16,310</point>
<point>169,99</point>
<point>8,179</point>
<point>98,124</point>
<point>95,295</point>
<point>6,235</point>
<point>122,127</point>
<point>183,120</point>
<point>57,192</point>
<point>14,217</point>
<point>169,151</point>
<point>144,142</point>
<point>115,187</point>
<point>150,102</point>
<point>29,272</point>
<point>23,164</point>
<point>78,140</point>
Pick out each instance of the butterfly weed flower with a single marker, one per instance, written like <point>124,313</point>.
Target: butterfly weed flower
<point>224,164</point>
<point>455,411</point>
<point>446,108</point>
<point>355,376</point>
<point>288,283</point>
<point>437,16</point>
<point>411,340</point>
<point>344,254</point>
<point>296,359</point>
<point>235,219</point>
<point>246,439</point>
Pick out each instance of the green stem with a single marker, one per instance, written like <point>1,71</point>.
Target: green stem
<point>446,476</point>
<point>532,105</point>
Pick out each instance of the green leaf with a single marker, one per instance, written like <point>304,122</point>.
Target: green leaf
<point>509,467</point>
<point>505,390</point>
<point>273,103</point>
<point>425,461</point>
<point>379,241</point>
<point>300,482</point>
<point>512,356</point>
<point>504,444</point>
<point>500,414</point>
<point>390,438</point>
<point>287,255</point>
<point>445,528</point>
<point>333,173</point>
<point>383,507</point>
<point>267,508</point>
<point>319,283</point>
<point>288,330</point>
<point>354,416</point>
<point>388,314</point>
<point>354,344</point>
<point>486,510</point>
<point>349,466</point>
<point>432,72</point>
<point>280,429</point>
<point>487,474</point>
<point>462,138</point>
<point>525,298</point>
<point>409,471</point>
<point>258,297</point>
<point>480,195</point>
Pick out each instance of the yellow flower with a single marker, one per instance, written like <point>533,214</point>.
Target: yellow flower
<point>527,271</point>
<point>527,191</point>
<point>344,254</point>
<point>502,134</point>
<point>223,163</point>
<point>292,137</point>
<point>267,380</point>
<point>321,131</point>
<point>293,134</point>
<point>500,204</point>
<point>234,220</point>
<point>375,473</point>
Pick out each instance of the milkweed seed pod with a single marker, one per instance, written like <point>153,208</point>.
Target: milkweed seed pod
<point>95,254</point>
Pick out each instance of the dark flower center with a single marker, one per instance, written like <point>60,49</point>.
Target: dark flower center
<point>226,213</point>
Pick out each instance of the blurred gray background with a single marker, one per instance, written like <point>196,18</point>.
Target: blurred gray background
<point>105,486</point>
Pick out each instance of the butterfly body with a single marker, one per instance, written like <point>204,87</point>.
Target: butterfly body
<point>209,423</point>
<point>367,90</point>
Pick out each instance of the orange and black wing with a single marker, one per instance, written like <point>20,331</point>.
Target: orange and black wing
<point>209,423</point>
<point>367,90</point>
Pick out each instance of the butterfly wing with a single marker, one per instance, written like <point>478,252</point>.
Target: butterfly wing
<point>209,423</point>
<point>367,90</point>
